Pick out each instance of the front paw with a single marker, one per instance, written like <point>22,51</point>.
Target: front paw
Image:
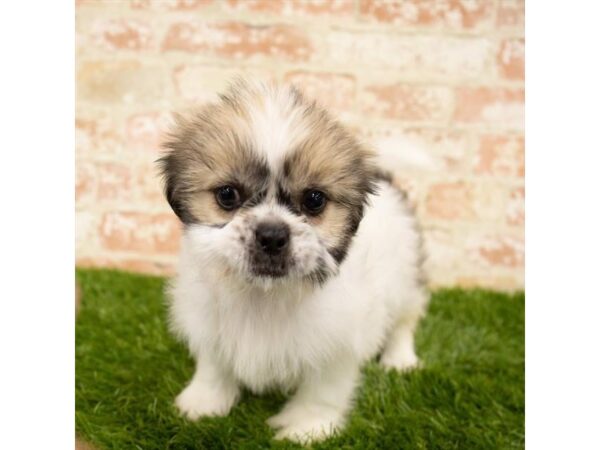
<point>199,400</point>
<point>400,362</point>
<point>306,425</point>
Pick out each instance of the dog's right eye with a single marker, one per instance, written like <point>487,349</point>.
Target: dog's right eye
<point>227,197</point>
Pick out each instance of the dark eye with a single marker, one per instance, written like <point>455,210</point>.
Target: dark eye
<point>314,201</point>
<point>227,197</point>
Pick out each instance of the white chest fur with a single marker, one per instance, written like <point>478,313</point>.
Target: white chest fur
<point>271,338</point>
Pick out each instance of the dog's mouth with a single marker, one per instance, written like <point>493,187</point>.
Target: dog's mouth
<point>267,273</point>
<point>277,269</point>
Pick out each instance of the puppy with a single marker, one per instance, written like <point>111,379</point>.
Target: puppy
<point>299,260</point>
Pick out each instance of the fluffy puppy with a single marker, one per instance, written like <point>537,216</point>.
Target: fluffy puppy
<point>299,261</point>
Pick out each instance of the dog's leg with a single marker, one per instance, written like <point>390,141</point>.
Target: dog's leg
<point>211,392</point>
<point>320,405</point>
<point>399,352</point>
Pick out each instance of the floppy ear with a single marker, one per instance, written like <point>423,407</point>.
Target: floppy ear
<point>172,165</point>
<point>169,168</point>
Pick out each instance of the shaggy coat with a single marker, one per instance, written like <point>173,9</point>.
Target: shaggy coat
<point>299,260</point>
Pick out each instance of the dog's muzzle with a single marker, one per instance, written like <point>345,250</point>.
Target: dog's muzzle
<point>270,255</point>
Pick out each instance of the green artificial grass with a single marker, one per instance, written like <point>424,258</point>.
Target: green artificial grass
<point>468,395</point>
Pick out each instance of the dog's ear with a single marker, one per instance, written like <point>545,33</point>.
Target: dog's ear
<point>172,166</point>
<point>169,168</point>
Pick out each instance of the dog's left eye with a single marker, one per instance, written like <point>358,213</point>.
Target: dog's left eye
<point>227,197</point>
<point>314,201</point>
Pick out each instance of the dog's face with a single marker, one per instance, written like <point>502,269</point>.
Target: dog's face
<point>268,185</point>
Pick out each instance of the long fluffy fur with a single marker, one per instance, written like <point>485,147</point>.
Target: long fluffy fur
<point>354,281</point>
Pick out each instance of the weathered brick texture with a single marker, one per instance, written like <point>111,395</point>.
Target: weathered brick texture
<point>447,74</point>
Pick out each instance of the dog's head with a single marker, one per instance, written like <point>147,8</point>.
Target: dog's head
<point>269,186</point>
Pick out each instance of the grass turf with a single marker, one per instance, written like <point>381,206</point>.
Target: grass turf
<point>469,395</point>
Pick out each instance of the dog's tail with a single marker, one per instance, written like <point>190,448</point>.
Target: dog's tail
<point>402,154</point>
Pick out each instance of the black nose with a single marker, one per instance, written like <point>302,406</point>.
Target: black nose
<point>272,238</point>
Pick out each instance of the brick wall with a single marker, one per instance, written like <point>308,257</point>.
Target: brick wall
<point>449,74</point>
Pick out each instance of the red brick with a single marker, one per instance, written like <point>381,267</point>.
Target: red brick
<point>174,5</point>
<point>140,232</point>
<point>97,136</point>
<point>501,156</point>
<point>103,181</point>
<point>505,251</point>
<point>408,102</point>
<point>145,131</point>
<point>515,209</point>
<point>511,59</point>
<point>447,14</point>
<point>450,201</point>
<point>149,185</point>
<point>111,82</point>
<point>86,230</point>
<point>85,189</point>
<point>122,34</point>
<point>498,106</point>
<point>466,201</point>
<point>201,83</point>
<point>113,182</point>
<point>239,40</point>
<point>330,90</point>
<point>417,56</point>
<point>511,14</point>
<point>117,183</point>
<point>294,7</point>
